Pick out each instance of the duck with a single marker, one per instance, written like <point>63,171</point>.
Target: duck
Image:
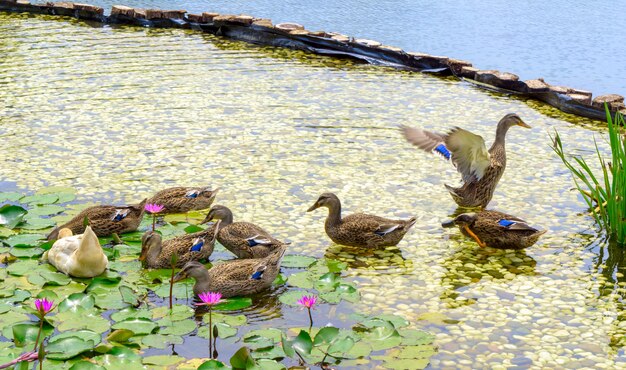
<point>105,220</point>
<point>157,254</point>
<point>79,256</point>
<point>496,229</point>
<point>243,239</point>
<point>239,277</point>
<point>184,199</point>
<point>360,229</point>
<point>480,169</point>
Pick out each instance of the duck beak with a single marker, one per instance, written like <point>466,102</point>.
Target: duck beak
<point>313,207</point>
<point>448,224</point>
<point>142,257</point>
<point>523,124</point>
<point>208,218</point>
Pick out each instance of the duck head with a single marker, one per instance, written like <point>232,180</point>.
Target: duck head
<point>151,244</point>
<point>193,269</point>
<point>221,213</point>
<point>462,220</point>
<point>327,200</point>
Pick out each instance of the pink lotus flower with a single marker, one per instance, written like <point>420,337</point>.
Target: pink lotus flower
<point>154,208</point>
<point>43,306</point>
<point>209,299</point>
<point>307,301</point>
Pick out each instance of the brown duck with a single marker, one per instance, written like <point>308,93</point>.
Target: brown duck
<point>360,229</point>
<point>238,277</point>
<point>156,253</point>
<point>243,239</point>
<point>104,220</point>
<point>481,169</point>
<point>496,230</point>
<point>184,199</point>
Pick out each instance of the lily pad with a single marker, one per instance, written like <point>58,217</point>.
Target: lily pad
<point>10,196</point>
<point>291,297</point>
<point>77,302</point>
<point>211,365</point>
<point>11,215</point>
<point>163,360</point>
<point>139,326</point>
<point>27,240</point>
<point>236,303</point>
<point>178,312</point>
<point>161,341</point>
<point>181,327</point>
<point>68,347</point>
<point>297,261</point>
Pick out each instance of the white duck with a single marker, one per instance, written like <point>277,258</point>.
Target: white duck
<point>78,255</point>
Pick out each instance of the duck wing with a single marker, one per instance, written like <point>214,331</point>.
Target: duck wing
<point>515,224</point>
<point>466,150</point>
<point>469,153</point>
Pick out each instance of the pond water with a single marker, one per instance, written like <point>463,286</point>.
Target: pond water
<point>119,113</point>
<point>556,40</point>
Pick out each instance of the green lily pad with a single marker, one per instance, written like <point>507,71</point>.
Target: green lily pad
<point>55,278</point>
<point>36,223</point>
<point>236,303</point>
<point>10,196</point>
<point>242,359</point>
<point>326,335</point>
<point>291,297</point>
<point>297,261</point>
<point>163,360</point>
<point>120,335</point>
<point>47,210</point>
<point>11,215</point>
<point>223,330</point>
<point>211,365</point>
<point>161,341</point>
<point>26,240</point>
<point>68,321</point>
<point>77,302</point>
<point>67,347</point>
<point>6,232</point>
<point>181,327</point>
<point>130,312</point>
<point>86,365</point>
<point>178,312</point>
<point>406,364</point>
<point>412,337</point>
<point>302,280</point>
<point>27,252</point>
<point>139,326</point>
<point>40,199</point>
<point>25,332</point>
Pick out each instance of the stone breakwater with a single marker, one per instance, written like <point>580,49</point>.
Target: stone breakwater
<point>291,35</point>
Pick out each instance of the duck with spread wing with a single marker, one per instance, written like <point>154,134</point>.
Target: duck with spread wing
<point>480,168</point>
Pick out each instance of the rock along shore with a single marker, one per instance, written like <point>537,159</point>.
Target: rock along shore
<point>291,35</point>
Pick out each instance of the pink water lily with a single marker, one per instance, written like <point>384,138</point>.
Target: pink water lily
<point>43,306</point>
<point>209,299</point>
<point>154,208</point>
<point>307,301</point>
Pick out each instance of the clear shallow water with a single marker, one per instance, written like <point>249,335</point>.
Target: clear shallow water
<point>571,44</point>
<point>119,113</point>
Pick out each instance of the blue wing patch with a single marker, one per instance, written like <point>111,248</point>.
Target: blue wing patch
<point>506,223</point>
<point>120,214</point>
<point>254,241</point>
<point>257,275</point>
<point>197,245</point>
<point>192,194</point>
<point>442,150</point>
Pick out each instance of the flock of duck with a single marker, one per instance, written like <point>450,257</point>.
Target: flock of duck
<point>77,251</point>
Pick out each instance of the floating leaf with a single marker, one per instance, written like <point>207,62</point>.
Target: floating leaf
<point>120,335</point>
<point>55,278</point>
<point>178,312</point>
<point>416,337</point>
<point>86,365</point>
<point>27,240</point>
<point>67,347</point>
<point>10,196</point>
<point>46,210</point>
<point>301,280</point>
<point>236,303</point>
<point>326,335</point>
<point>291,297</point>
<point>297,261</point>
<point>181,327</point>
<point>163,360</point>
<point>128,295</point>
<point>11,215</point>
<point>139,326</point>
<point>40,199</point>
<point>211,365</point>
<point>76,302</point>
<point>161,341</point>
<point>242,359</point>
<point>26,332</point>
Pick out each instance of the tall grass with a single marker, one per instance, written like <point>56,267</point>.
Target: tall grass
<point>604,192</point>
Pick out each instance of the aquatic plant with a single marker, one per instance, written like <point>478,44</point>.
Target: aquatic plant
<point>210,299</point>
<point>153,209</point>
<point>43,307</point>
<point>308,302</point>
<point>173,261</point>
<point>603,192</point>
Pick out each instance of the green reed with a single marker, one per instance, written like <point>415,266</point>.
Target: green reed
<point>603,191</point>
